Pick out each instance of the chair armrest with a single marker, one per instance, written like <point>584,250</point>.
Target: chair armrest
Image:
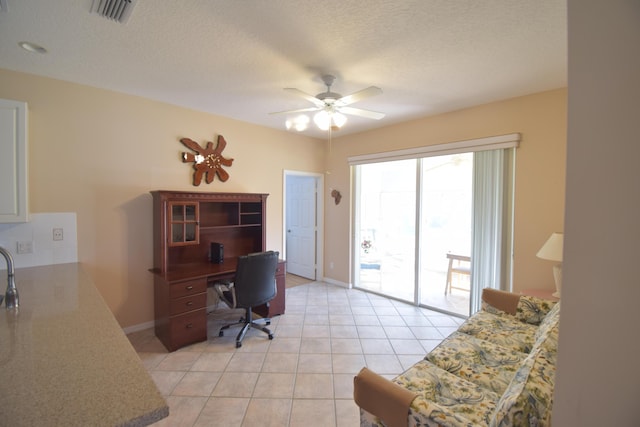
<point>502,300</point>
<point>382,398</point>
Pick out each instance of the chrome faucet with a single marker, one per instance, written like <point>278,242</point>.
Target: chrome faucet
<point>11,297</point>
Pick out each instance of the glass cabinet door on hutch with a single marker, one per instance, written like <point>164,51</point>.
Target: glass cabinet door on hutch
<point>183,223</point>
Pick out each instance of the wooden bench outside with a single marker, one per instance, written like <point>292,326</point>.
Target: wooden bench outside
<point>459,264</point>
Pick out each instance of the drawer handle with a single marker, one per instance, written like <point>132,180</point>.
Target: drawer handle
<point>190,303</point>
<point>189,287</point>
<point>190,325</point>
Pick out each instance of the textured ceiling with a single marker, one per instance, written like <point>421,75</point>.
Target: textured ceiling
<point>234,57</point>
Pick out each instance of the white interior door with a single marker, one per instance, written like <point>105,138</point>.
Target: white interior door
<point>301,226</point>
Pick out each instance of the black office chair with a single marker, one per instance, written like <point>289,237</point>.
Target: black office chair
<point>254,284</point>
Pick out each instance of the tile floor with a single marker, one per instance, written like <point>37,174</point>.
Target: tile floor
<point>304,376</point>
<point>431,291</point>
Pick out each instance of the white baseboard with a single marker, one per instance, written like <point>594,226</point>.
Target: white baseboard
<point>139,327</point>
<point>336,282</point>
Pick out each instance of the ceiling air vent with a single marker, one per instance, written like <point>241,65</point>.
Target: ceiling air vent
<point>116,10</point>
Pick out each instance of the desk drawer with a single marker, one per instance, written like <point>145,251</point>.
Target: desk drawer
<point>188,328</point>
<point>190,287</point>
<point>188,303</point>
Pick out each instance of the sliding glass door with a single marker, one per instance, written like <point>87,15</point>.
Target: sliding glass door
<point>435,229</point>
<point>445,232</point>
<point>386,217</point>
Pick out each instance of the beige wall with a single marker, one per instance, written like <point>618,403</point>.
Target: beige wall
<point>597,381</point>
<point>540,173</point>
<point>99,153</point>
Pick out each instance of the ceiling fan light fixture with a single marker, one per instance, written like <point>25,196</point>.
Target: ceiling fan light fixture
<point>332,107</point>
<point>299,123</point>
<point>325,119</point>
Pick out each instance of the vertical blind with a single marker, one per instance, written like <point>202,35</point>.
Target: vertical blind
<point>489,242</point>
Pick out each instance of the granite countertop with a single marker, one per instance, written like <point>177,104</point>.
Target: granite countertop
<point>64,360</point>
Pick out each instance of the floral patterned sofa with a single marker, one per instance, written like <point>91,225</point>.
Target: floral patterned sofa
<point>497,369</point>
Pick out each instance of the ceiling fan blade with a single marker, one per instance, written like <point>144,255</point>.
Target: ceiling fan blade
<point>315,101</point>
<point>362,113</point>
<point>358,96</point>
<point>299,110</point>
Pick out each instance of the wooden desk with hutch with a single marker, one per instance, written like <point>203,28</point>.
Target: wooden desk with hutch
<point>184,226</point>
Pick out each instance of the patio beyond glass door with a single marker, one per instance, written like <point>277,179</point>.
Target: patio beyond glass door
<point>445,232</point>
<point>386,230</point>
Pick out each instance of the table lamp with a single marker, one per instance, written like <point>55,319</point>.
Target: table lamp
<point>552,251</point>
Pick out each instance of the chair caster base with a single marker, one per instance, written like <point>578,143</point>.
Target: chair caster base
<point>220,334</point>
<point>238,344</point>
<point>270,336</point>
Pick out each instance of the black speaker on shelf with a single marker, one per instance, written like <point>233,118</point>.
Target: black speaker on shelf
<point>217,253</point>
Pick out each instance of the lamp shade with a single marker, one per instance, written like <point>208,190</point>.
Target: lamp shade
<point>552,249</point>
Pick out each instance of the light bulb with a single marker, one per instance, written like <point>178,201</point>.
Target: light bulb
<point>339,119</point>
<point>299,123</point>
<point>322,120</point>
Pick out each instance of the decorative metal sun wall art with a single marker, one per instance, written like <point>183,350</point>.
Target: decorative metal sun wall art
<point>207,161</point>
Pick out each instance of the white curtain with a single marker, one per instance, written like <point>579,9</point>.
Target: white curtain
<point>490,227</point>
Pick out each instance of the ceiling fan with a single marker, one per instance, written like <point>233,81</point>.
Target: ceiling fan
<point>332,106</point>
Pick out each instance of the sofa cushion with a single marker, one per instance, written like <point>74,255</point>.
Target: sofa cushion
<point>482,362</point>
<point>533,310</point>
<point>547,334</point>
<point>445,397</point>
<point>550,320</point>
<point>504,330</point>
<point>529,398</point>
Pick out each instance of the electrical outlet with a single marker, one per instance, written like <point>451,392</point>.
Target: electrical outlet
<point>25,247</point>
<point>58,234</point>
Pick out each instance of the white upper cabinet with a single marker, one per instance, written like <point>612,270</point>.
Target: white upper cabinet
<point>13,161</point>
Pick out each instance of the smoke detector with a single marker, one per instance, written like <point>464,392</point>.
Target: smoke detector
<point>116,10</point>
